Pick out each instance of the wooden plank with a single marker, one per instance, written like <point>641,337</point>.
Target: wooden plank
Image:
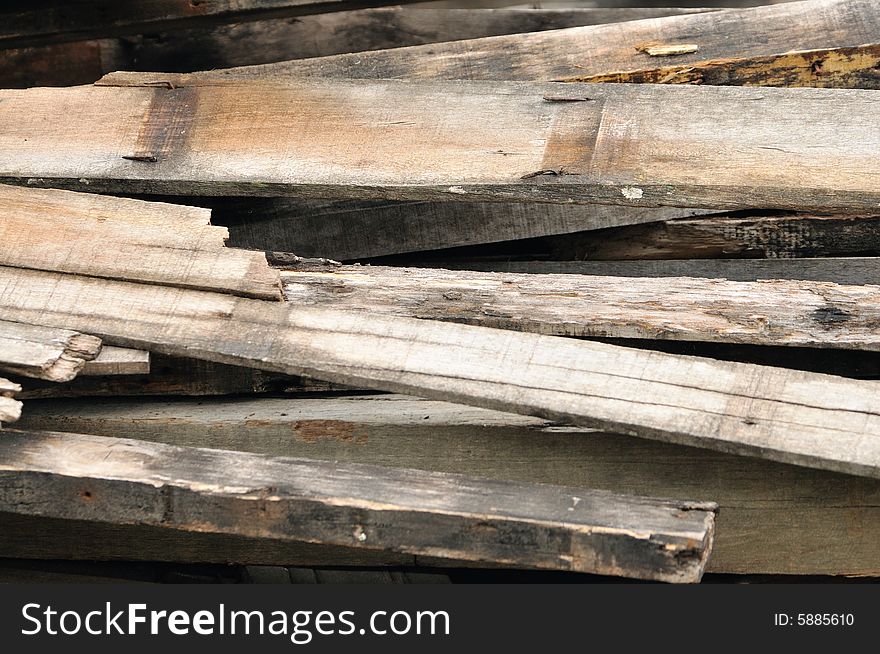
<point>783,415</point>
<point>524,525</point>
<point>55,20</point>
<point>56,355</point>
<point>118,361</point>
<point>773,518</point>
<point>721,236</point>
<point>813,43</point>
<point>779,312</point>
<point>278,39</point>
<point>733,148</point>
<point>10,409</point>
<point>849,270</point>
<point>49,238</point>
<point>351,229</point>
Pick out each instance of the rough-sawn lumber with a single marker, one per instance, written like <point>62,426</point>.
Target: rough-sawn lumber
<point>831,43</point>
<point>805,149</point>
<point>526,525</point>
<point>777,312</point>
<point>784,415</point>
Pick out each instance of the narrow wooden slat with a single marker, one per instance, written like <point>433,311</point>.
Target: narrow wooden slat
<point>681,308</point>
<point>56,355</point>
<point>783,415</point>
<point>24,23</point>
<point>347,230</point>
<point>616,144</point>
<point>525,525</point>
<point>118,361</point>
<point>10,409</point>
<point>849,270</point>
<point>773,518</point>
<point>811,43</point>
<point>45,236</point>
<point>278,39</point>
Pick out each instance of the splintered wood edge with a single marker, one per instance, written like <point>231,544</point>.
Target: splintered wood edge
<point>528,525</point>
<point>118,361</point>
<point>77,350</point>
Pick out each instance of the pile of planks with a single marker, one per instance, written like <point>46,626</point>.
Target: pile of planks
<point>575,289</point>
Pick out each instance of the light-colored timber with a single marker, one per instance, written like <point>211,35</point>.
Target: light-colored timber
<point>118,361</point>
<point>56,355</point>
<point>785,415</point>
<point>733,148</point>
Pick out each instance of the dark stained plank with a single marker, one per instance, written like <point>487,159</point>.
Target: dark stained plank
<point>351,229</point>
<point>783,415</point>
<point>812,43</point>
<point>734,148</point>
<point>843,270</point>
<point>773,518</point>
<point>125,481</point>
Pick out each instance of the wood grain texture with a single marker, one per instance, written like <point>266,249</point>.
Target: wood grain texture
<point>279,39</point>
<point>118,361</point>
<point>34,235</point>
<point>524,525</point>
<point>773,518</point>
<point>347,230</point>
<point>56,355</point>
<point>778,312</point>
<point>24,23</point>
<point>844,270</point>
<point>745,46</point>
<point>783,415</point>
<point>478,141</point>
<point>10,409</point>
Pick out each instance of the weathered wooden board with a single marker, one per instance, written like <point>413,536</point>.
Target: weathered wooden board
<point>812,43</point>
<point>477,141</point>
<point>783,415</point>
<point>351,229</point>
<point>34,235</point>
<point>277,39</point>
<point>24,23</point>
<point>118,361</point>
<point>56,355</point>
<point>10,409</point>
<point>849,270</point>
<point>524,525</point>
<point>773,518</point>
<point>779,312</point>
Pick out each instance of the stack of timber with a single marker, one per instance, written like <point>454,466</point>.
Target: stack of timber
<point>571,289</point>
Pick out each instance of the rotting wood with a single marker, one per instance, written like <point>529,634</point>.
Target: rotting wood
<point>773,518</point>
<point>360,229</point>
<point>10,409</point>
<point>742,235</point>
<point>56,355</point>
<point>754,46</point>
<point>780,312</point>
<point>278,39</point>
<point>784,415</point>
<point>734,148</point>
<point>45,236</point>
<point>849,270</point>
<point>118,361</point>
<point>524,525</point>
